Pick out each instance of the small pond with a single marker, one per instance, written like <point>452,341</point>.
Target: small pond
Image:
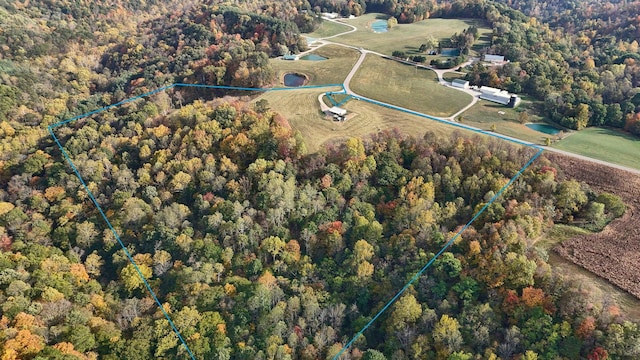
<point>450,52</point>
<point>379,26</point>
<point>543,128</point>
<point>294,80</point>
<point>313,57</point>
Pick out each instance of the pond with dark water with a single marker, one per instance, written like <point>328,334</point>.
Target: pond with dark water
<point>294,80</point>
<point>543,128</point>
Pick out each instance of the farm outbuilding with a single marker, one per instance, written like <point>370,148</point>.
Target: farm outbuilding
<point>499,96</point>
<point>459,83</point>
<point>338,113</point>
<point>495,59</point>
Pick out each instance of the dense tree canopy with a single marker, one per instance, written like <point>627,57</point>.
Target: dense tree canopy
<point>256,249</point>
<point>267,251</point>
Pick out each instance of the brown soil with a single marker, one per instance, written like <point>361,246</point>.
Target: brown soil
<point>614,253</point>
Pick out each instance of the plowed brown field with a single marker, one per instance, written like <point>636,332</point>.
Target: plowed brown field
<point>614,253</point>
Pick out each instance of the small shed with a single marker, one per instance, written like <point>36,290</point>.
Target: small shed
<point>329,15</point>
<point>290,57</point>
<point>338,111</point>
<point>494,59</point>
<point>459,83</point>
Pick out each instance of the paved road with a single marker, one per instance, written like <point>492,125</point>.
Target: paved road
<point>353,71</point>
<point>440,73</point>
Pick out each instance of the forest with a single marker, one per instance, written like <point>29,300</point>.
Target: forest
<point>256,248</point>
<point>261,251</point>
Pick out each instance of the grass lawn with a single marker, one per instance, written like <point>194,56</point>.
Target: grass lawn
<point>339,98</point>
<point>334,70</point>
<point>604,144</point>
<point>558,234</point>
<point>595,285</point>
<point>452,75</point>
<point>302,110</point>
<point>327,28</point>
<point>406,86</point>
<point>407,37</point>
<point>484,114</point>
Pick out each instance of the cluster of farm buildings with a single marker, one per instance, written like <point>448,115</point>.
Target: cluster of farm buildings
<point>490,94</point>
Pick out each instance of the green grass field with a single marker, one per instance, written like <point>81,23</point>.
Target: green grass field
<point>604,144</point>
<point>328,28</point>
<point>406,37</point>
<point>302,110</point>
<point>334,70</point>
<point>449,76</point>
<point>484,114</point>
<point>406,86</point>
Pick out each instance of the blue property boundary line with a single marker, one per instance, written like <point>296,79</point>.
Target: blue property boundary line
<point>451,241</point>
<point>445,247</point>
<point>350,96</point>
<point>102,213</point>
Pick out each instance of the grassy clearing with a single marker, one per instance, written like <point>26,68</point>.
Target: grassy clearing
<point>484,114</point>
<point>303,112</point>
<point>597,287</point>
<point>334,70</point>
<point>328,28</point>
<point>449,76</point>
<point>604,144</point>
<point>558,234</point>
<point>407,37</point>
<point>338,98</point>
<point>406,86</point>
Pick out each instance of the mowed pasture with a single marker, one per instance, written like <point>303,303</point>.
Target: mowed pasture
<point>407,37</point>
<point>302,110</point>
<point>604,144</point>
<point>334,70</point>
<point>327,28</point>
<point>406,86</point>
<point>453,75</point>
<point>485,114</point>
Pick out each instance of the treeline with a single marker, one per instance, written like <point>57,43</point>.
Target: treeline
<point>299,12</point>
<point>208,45</point>
<point>60,58</point>
<point>405,11</point>
<point>260,251</point>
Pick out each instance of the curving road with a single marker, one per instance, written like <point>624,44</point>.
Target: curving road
<point>440,72</point>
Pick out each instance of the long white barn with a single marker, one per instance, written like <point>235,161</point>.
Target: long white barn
<point>499,96</point>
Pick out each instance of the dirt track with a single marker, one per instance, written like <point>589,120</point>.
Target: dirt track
<point>614,253</point>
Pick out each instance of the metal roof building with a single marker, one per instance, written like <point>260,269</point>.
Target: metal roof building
<point>459,83</point>
<point>494,58</point>
<point>338,111</point>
